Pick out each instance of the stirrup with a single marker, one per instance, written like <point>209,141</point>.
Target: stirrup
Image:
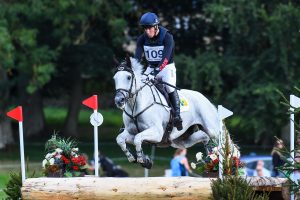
<point>178,123</point>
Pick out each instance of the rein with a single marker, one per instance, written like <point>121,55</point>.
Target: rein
<point>131,95</point>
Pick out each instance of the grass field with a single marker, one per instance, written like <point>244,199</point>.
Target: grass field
<point>3,180</point>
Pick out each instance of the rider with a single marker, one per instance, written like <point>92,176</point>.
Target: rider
<point>157,44</point>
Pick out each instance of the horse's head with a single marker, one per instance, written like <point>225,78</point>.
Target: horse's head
<point>126,81</point>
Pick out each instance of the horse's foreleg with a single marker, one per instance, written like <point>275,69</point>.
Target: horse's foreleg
<point>122,138</point>
<point>151,135</point>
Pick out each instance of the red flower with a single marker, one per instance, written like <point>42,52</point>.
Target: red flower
<point>81,160</point>
<point>216,161</point>
<point>75,167</point>
<point>65,160</point>
<point>74,160</point>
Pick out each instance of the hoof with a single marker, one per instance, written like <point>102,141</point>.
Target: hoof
<point>140,160</point>
<point>147,163</point>
<point>131,159</point>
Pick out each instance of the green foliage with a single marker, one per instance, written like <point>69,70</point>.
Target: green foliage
<point>234,187</point>
<point>291,164</point>
<point>35,34</point>
<point>66,145</point>
<point>201,73</point>
<point>13,187</point>
<point>257,54</point>
<point>55,116</point>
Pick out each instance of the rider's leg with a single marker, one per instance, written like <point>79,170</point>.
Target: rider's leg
<point>168,75</point>
<point>176,105</point>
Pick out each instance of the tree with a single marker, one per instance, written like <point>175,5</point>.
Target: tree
<point>93,57</point>
<point>36,34</point>
<point>237,53</point>
<point>260,56</point>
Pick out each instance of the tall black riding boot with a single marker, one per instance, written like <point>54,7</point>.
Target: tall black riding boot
<point>176,105</point>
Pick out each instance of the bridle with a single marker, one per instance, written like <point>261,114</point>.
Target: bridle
<point>131,95</point>
<point>123,67</point>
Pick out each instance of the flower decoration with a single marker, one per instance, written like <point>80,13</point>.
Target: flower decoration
<point>63,158</point>
<point>210,163</point>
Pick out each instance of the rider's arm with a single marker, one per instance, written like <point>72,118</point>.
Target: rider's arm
<point>139,48</point>
<point>167,52</point>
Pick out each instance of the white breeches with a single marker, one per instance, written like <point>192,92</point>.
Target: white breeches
<point>168,75</point>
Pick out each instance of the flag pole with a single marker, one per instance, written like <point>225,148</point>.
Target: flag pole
<point>96,148</point>
<point>96,120</point>
<point>17,114</point>
<point>294,102</point>
<point>22,151</point>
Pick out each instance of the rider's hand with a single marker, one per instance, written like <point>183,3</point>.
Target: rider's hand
<point>144,77</point>
<point>151,77</point>
<point>155,72</point>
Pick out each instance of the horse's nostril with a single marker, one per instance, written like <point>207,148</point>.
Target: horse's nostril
<point>122,100</point>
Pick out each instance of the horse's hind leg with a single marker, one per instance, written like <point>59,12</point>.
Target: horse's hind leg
<point>196,137</point>
<point>150,135</point>
<point>122,138</point>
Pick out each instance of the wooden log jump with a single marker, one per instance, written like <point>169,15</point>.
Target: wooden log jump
<point>90,188</point>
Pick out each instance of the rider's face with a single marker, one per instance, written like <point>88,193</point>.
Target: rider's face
<point>150,31</point>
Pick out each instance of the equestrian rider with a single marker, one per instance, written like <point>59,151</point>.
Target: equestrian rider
<point>157,44</point>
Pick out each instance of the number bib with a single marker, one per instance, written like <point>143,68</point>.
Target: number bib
<point>154,53</point>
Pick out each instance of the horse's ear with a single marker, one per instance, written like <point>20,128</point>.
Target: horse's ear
<point>128,62</point>
<point>115,61</point>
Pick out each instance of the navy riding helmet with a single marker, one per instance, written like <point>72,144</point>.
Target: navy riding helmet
<point>149,19</point>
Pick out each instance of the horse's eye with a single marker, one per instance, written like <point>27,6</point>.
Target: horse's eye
<point>128,77</point>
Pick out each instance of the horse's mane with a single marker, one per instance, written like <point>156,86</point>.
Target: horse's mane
<point>137,68</point>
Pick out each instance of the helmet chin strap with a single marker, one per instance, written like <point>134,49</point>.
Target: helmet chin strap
<point>156,30</point>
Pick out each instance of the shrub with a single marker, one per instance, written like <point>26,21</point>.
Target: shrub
<point>233,188</point>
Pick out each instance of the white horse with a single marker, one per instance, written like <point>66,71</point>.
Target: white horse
<point>146,114</point>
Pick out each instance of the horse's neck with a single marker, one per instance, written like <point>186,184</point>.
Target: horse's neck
<point>140,101</point>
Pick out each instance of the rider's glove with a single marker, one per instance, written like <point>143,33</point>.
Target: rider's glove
<point>151,77</point>
<point>155,71</point>
<point>144,77</point>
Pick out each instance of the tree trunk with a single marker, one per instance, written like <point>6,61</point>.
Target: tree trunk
<point>6,135</point>
<point>71,122</point>
<point>34,119</point>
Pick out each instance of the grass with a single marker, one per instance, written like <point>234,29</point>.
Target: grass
<point>107,131</point>
<point>3,180</point>
<point>56,116</point>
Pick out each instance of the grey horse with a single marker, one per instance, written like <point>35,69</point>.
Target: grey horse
<point>146,114</point>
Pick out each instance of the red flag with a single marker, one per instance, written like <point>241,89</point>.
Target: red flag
<point>91,102</point>
<point>16,114</point>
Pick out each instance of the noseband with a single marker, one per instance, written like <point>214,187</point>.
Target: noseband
<point>123,67</point>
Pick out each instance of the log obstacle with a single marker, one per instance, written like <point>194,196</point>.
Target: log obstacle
<point>90,188</point>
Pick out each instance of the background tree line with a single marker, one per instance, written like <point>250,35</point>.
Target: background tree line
<point>236,52</point>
